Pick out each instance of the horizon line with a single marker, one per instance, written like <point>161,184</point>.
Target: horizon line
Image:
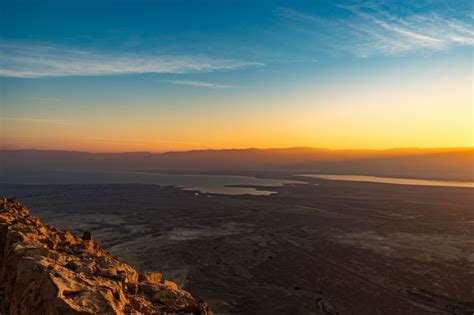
<point>457,148</point>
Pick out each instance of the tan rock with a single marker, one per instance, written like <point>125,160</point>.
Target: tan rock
<point>132,288</point>
<point>153,277</point>
<point>45,270</point>
<point>107,272</point>
<point>171,285</point>
<point>73,265</point>
<point>150,288</point>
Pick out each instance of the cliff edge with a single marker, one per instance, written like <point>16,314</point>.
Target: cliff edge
<point>44,270</point>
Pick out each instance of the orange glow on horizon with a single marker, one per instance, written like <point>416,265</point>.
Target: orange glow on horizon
<point>385,111</point>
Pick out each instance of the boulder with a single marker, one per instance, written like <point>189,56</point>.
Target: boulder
<point>171,285</point>
<point>152,277</point>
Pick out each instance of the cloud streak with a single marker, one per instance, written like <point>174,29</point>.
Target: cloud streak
<point>35,120</point>
<point>44,99</point>
<point>36,61</point>
<point>200,84</point>
<point>369,30</point>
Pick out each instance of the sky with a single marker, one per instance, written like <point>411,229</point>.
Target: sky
<point>114,76</point>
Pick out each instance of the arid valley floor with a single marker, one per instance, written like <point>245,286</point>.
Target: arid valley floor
<point>322,247</point>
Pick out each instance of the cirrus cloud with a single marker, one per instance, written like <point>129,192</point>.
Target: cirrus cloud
<point>201,84</point>
<point>21,60</point>
<point>371,29</point>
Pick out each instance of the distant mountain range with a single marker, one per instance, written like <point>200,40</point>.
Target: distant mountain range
<point>442,163</point>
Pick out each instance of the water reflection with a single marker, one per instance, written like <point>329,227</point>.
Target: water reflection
<point>391,180</point>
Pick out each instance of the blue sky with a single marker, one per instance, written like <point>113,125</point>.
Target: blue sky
<point>63,58</point>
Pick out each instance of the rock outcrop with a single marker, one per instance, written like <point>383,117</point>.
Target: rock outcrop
<point>44,270</point>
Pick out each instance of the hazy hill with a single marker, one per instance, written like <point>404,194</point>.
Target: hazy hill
<point>454,163</point>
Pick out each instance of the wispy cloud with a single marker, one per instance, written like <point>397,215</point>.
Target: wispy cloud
<point>370,29</point>
<point>201,84</point>
<point>389,33</point>
<point>297,15</point>
<point>35,120</point>
<point>34,61</point>
<point>44,99</point>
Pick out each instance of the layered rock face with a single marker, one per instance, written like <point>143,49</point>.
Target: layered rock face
<point>44,270</point>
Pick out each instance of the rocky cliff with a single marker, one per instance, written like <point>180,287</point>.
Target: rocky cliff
<point>44,270</point>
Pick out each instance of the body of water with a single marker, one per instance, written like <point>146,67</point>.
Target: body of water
<point>218,184</point>
<point>391,180</point>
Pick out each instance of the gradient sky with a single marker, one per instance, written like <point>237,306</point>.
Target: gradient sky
<point>175,75</point>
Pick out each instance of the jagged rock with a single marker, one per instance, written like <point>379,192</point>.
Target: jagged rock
<point>171,285</point>
<point>44,270</point>
<point>153,277</point>
<point>73,265</point>
<point>132,288</point>
<point>150,288</point>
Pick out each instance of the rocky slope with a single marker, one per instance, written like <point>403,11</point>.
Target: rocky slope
<point>44,270</point>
